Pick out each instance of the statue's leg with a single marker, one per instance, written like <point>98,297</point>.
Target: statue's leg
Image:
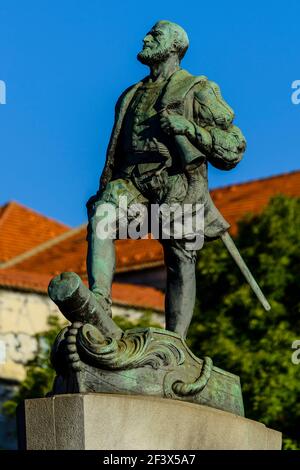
<point>101,259</point>
<point>180,264</point>
<point>100,263</point>
<point>181,286</point>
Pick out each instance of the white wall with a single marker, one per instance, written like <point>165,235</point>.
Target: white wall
<point>22,315</point>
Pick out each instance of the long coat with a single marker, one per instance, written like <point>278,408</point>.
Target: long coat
<point>222,143</point>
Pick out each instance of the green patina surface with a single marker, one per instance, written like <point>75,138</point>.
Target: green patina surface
<point>168,128</point>
<point>145,361</point>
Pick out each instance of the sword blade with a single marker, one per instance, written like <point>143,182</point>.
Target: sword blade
<point>230,245</point>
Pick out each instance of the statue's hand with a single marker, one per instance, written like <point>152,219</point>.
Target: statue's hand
<point>177,125</point>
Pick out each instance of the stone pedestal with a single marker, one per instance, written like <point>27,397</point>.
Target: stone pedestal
<point>101,421</point>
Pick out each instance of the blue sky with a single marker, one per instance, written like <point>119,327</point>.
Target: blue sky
<point>66,62</point>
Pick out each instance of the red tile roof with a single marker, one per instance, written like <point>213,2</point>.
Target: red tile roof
<point>70,255</point>
<point>24,281</point>
<point>22,229</point>
<point>122,294</point>
<point>233,201</point>
<point>138,296</point>
<point>239,199</point>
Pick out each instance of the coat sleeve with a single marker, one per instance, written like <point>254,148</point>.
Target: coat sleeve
<point>109,164</point>
<point>215,134</point>
<point>111,154</point>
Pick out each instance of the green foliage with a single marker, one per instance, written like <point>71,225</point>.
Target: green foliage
<point>233,328</point>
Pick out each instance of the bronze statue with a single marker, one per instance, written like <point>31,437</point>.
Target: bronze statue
<point>168,127</point>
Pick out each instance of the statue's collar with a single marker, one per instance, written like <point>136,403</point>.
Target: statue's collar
<point>175,90</point>
<point>177,86</point>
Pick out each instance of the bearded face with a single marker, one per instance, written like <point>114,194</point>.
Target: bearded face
<point>158,45</point>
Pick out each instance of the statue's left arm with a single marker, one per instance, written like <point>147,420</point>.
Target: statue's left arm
<point>213,131</point>
<point>208,124</point>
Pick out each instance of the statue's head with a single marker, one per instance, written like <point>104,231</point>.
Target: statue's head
<point>163,40</point>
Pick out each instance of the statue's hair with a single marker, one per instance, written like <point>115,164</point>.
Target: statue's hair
<point>181,39</point>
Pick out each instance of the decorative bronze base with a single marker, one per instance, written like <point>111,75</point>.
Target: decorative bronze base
<point>94,355</point>
<point>144,361</point>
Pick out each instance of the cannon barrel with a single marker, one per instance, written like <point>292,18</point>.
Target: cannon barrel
<point>78,303</point>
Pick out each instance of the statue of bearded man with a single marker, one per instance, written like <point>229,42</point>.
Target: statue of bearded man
<point>168,127</point>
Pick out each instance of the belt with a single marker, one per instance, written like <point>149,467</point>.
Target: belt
<point>148,175</point>
<point>136,157</point>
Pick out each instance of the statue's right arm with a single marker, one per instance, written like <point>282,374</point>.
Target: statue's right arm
<point>110,155</point>
<point>109,162</point>
<point>109,165</point>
